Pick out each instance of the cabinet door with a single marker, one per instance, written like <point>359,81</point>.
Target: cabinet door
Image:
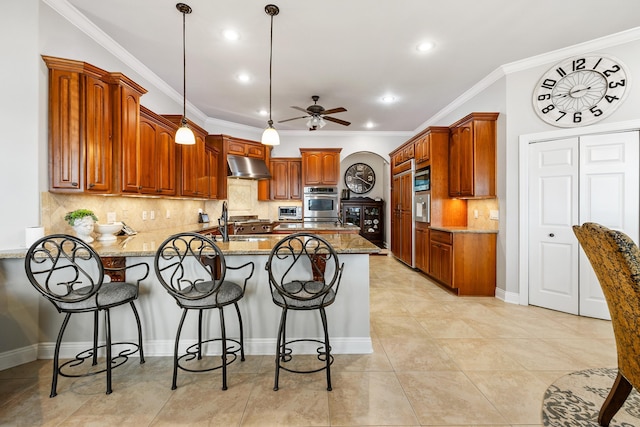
<point>127,131</point>
<point>422,248</point>
<point>312,165</point>
<point>97,136</point>
<point>194,181</point>
<point>330,168</point>
<point>165,161</point>
<point>279,179</point>
<point>211,160</point>
<point>147,157</point>
<point>295,179</point>
<point>64,130</point>
<point>465,160</point>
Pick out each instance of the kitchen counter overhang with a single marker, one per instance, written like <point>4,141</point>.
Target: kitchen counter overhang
<point>348,317</point>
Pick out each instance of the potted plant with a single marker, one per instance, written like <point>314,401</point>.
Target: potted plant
<point>82,221</point>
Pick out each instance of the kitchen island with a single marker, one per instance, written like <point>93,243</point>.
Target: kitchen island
<point>30,324</point>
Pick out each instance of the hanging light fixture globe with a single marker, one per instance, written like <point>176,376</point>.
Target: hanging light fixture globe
<point>270,135</point>
<point>184,135</point>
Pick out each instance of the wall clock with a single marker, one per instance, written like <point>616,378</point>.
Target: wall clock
<point>580,91</point>
<point>359,178</point>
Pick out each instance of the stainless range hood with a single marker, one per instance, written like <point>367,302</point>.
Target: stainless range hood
<point>247,168</point>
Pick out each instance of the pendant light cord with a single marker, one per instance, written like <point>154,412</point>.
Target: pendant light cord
<point>184,68</point>
<point>270,68</point>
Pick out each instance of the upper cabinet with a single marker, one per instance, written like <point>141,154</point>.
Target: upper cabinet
<point>193,177</point>
<point>320,166</point>
<point>286,178</point>
<point>401,156</point>
<point>226,145</point>
<point>472,156</point>
<point>93,118</point>
<point>422,150</point>
<point>156,165</point>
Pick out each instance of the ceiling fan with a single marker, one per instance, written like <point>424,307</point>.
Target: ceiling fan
<point>317,115</point>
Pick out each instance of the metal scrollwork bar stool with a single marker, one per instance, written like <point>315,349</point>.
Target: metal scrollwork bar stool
<point>192,269</point>
<point>70,274</point>
<point>304,274</point>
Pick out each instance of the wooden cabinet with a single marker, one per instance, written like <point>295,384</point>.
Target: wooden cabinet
<point>465,262</point>
<point>193,178</point>
<point>226,145</point>
<point>81,129</point>
<point>401,158</point>
<point>157,169</point>
<point>366,213</point>
<point>126,132</point>
<point>320,166</point>
<point>286,178</point>
<point>402,217</point>
<point>472,156</point>
<point>211,163</point>
<point>422,151</point>
<point>422,246</point>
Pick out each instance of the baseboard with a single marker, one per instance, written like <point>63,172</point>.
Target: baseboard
<point>339,345</point>
<point>19,356</point>
<point>510,297</point>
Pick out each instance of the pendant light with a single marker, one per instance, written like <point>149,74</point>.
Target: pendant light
<point>184,135</point>
<point>270,135</point>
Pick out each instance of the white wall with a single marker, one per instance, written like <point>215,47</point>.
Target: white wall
<point>20,159</point>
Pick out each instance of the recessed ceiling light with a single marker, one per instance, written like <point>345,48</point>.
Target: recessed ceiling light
<point>425,46</point>
<point>369,125</point>
<point>231,35</point>
<point>388,99</point>
<point>263,112</point>
<point>244,78</point>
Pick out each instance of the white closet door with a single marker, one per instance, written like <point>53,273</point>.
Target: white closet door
<point>553,210</point>
<point>609,196</point>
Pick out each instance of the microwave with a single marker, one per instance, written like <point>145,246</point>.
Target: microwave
<point>289,213</point>
<point>422,180</point>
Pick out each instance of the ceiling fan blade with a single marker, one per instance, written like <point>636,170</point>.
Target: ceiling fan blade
<point>332,119</point>
<point>300,109</point>
<point>294,118</point>
<point>335,110</point>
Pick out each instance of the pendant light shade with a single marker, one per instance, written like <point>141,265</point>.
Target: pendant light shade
<point>270,135</point>
<point>184,135</point>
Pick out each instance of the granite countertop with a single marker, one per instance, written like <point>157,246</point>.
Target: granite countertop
<point>146,243</point>
<point>315,226</point>
<point>458,229</point>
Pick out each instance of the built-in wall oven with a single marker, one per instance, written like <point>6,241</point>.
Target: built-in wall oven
<point>320,204</point>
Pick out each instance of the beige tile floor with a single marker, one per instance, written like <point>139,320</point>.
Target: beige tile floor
<point>439,360</point>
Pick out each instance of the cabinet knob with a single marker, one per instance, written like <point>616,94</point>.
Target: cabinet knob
<point>552,235</point>
<point>91,185</point>
<point>75,184</point>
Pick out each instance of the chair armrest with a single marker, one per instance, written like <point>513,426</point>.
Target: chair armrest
<point>145,266</point>
<point>246,279</point>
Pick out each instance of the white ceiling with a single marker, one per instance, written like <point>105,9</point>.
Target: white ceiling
<point>349,52</point>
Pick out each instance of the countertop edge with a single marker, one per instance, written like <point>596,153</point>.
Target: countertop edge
<point>463,230</point>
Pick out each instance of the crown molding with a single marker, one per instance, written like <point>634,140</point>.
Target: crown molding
<point>605,42</point>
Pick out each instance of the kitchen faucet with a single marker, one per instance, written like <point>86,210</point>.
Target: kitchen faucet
<point>223,221</point>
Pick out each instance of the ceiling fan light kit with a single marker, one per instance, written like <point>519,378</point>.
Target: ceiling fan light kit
<point>270,135</point>
<point>317,115</point>
<point>184,135</point>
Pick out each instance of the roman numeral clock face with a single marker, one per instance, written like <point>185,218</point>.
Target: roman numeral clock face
<point>580,91</point>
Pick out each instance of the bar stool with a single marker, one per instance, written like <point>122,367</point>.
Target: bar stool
<point>192,269</point>
<point>304,274</point>
<point>70,274</point>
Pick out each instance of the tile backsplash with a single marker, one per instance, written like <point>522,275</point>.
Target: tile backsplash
<point>484,208</point>
<point>166,213</point>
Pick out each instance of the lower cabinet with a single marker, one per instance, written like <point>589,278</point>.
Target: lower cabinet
<point>463,261</point>
<point>422,245</point>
